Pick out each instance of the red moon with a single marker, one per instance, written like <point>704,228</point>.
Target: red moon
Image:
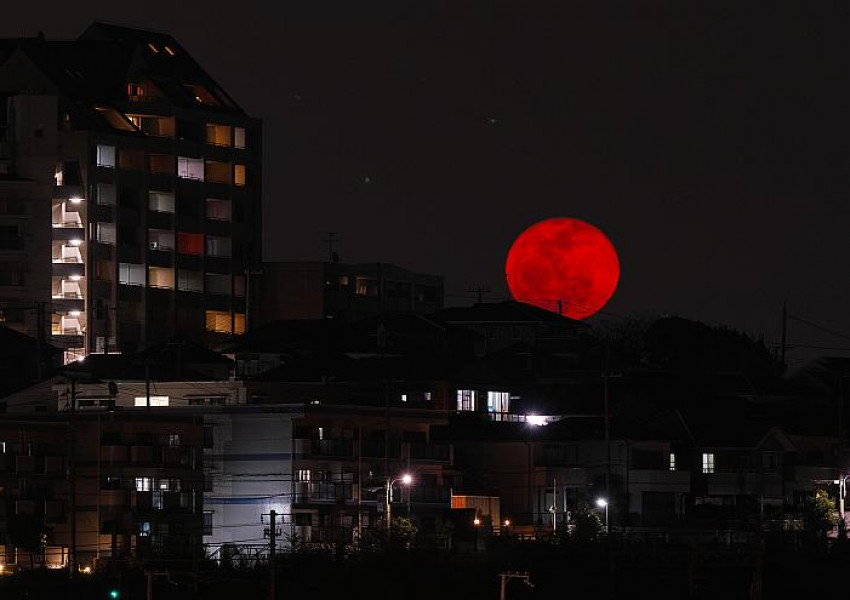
<point>564,260</point>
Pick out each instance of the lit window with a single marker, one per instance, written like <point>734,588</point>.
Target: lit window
<point>190,243</point>
<point>466,400</point>
<point>105,156</point>
<point>427,396</point>
<point>218,135</point>
<point>218,246</point>
<point>170,50</point>
<point>238,323</point>
<point>672,461</point>
<point>106,233</point>
<point>302,475</point>
<point>161,202</point>
<point>144,484</point>
<point>498,402</point>
<point>708,462</point>
<point>160,239</point>
<point>153,47</point>
<point>239,137</point>
<point>239,175</point>
<point>404,397</point>
<point>142,401</point>
<point>161,277</point>
<point>145,529</point>
<point>131,274</point>
<point>2,447</point>
<point>190,168</point>
<point>219,321</point>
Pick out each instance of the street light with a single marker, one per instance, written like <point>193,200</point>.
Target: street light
<point>477,522</point>
<point>405,479</point>
<point>842,493</point>
<point>603,503</point>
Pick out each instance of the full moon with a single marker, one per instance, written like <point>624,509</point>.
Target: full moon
<point>563,265</point>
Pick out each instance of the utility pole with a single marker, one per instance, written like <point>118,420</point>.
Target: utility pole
<point>272,533</point>
<point>480,291</point>
<point>784,331</point>
<point>72,482</point>
<point>332,256</point>
<point>503,587</point>
<point>560,306</point>
<point>606,375</point>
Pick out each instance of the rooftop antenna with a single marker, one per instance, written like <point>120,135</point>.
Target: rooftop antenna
<point>332,237</point>
<point>480,290</point>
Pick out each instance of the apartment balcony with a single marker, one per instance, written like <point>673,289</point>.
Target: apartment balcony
<point>70,325</point>
<point>425,494</point>
<point>431,452</point>
<point>377,449</point>
<point>322,492</point>
<point>68,254</point>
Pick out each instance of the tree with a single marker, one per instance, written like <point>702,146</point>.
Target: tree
<point>588,525</point>
<point>402,532</point>
<point>818,514</point>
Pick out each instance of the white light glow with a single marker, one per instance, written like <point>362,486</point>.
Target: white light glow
<point>75,277</point>
<point>601,502</point>
<point>76,242</point>
<point>76,200</point>
<point>74,313</point>
<point>407,479</point>
<point>536,420</point>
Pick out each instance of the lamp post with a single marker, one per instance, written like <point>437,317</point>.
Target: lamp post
<point>603,503</point>
<point>405,479</point>
<point>477,523</point>
<point>842,493</point>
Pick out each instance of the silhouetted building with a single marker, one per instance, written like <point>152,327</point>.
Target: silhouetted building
<point>322,290</point>
<point>130,193</point>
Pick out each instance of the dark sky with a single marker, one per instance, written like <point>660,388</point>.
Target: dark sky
<point>711,145</point>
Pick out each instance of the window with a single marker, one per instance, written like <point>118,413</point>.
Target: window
<point>190,168</point>
<point>156,500</point>
<point>161,277</point>
<point>144,484</point>
<point>208,522</point>
<point>365,286</point>
<point>466,400</point>
<point>105,194</point>
<point>161,164</point>
<point>175,440</point>
<point>160,239</point>
<point>131,159</point>
<point>142,401</point>
<point>190,281</point>
<point>218,284</point>
<point>2,447</point>
<point>219,321</point>
<point>105,156</point>
<point>239,137</point>
<point>218,246</point>
<point>145,526</point>
<point>218,135</point>
<point>302,475</point>
<point>238,323</point>
<point>404,397</point>
<point>427,396</point>
<point>239,177</point>
<point>672,461</point>
<point>161,202</point>
<point>106,233</point>
<point>169,485</point>
<point>131,274</point>
<point>219,172</point>
<point>498,402</point>
<point>218,210</point>
<point>708,462</point>
<point>190,243</point>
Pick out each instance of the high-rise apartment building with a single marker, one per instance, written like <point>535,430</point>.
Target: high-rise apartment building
<point>130,193</point>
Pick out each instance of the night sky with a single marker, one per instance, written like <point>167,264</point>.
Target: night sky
<point>711,146</point>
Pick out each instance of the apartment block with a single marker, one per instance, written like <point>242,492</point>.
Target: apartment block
<point>130,193</point>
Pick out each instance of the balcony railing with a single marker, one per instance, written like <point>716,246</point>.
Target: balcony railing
<point>435,452</point>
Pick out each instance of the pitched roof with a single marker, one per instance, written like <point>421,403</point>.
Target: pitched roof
<point>508,311</point>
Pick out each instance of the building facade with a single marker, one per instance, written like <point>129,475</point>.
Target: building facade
<point>130,193</point>
<point>321,290</point>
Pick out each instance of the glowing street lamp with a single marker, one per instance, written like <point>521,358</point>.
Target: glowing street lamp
<point>603,503</point>
<point>405,479</point>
